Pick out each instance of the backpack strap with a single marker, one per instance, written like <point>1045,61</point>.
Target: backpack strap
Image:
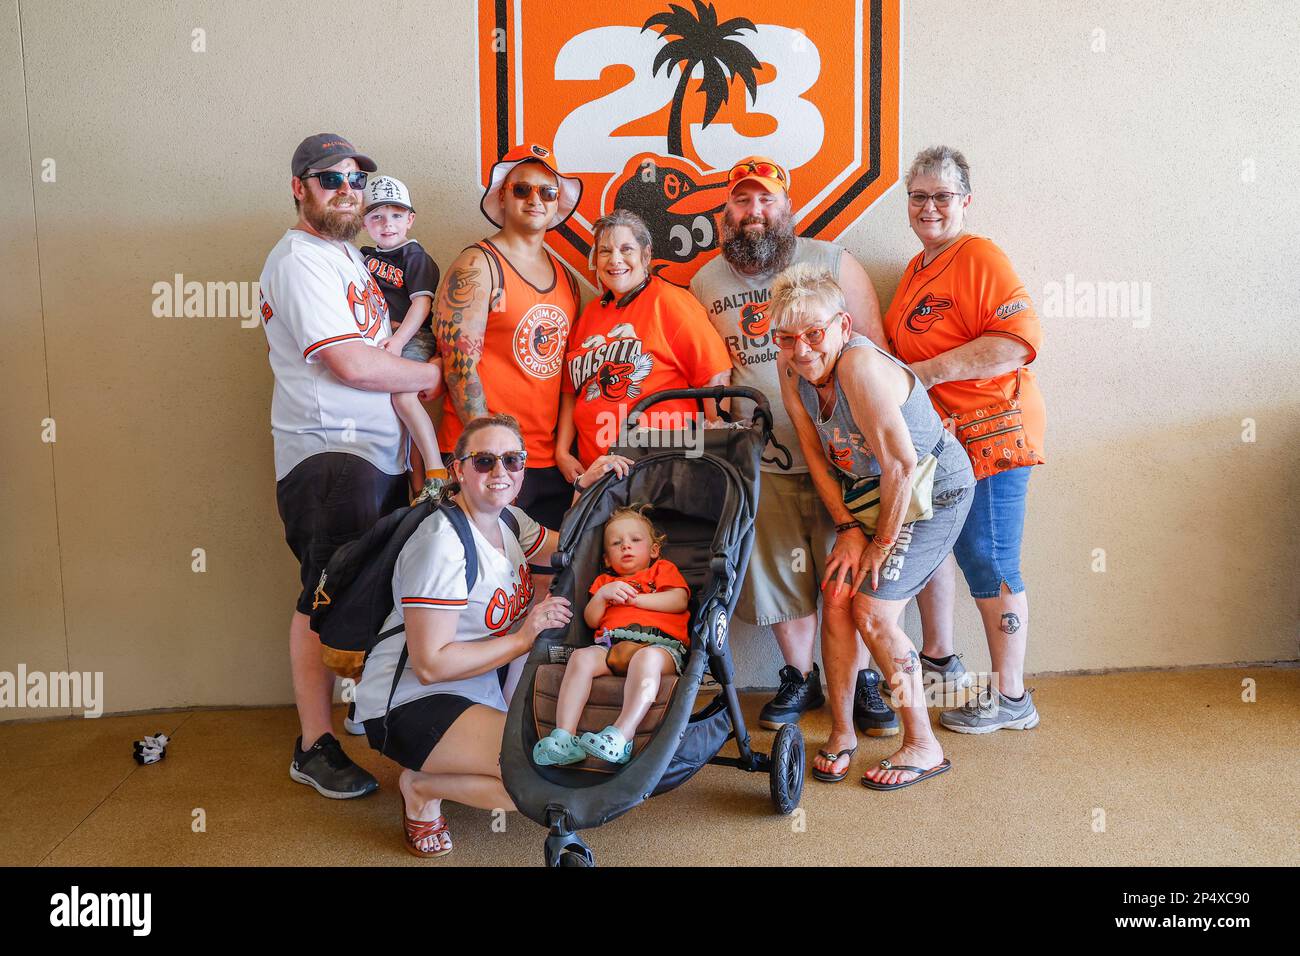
<point>461,525</point>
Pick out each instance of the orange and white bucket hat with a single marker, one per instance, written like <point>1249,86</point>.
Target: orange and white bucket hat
<point>570,186</point>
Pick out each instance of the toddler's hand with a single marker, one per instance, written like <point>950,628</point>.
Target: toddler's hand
<point>618,592</point>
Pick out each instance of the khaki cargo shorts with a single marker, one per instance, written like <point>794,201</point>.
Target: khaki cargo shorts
<point>792,536</point>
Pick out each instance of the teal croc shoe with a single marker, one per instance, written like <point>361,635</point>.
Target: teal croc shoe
<point>609,745</point>
<point>558,749</point>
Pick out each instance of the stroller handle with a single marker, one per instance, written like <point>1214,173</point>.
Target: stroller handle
<point>718,392</point>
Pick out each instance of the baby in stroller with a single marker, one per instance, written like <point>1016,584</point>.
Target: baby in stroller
<point>639,613</point>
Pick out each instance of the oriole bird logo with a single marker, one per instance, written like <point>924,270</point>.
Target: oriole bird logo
<point>927,312</point>
<point>619,380</point>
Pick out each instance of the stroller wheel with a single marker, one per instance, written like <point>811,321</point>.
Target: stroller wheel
<point>785,770</point>
<point>565,848</point>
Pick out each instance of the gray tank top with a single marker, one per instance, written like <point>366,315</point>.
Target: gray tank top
<point>737,306</point>
<point>849,452</point>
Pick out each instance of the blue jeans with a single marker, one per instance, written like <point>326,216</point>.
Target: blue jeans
<point>988,550</point>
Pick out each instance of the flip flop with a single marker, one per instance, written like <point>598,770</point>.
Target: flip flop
<point>920,775</point>
<point>825,777</point>
<point>420,830</point>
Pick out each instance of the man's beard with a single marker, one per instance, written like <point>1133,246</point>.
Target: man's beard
<point>331,221</point>
<point>767,252</point>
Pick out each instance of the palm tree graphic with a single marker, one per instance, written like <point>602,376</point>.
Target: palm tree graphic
<point>700,38</point>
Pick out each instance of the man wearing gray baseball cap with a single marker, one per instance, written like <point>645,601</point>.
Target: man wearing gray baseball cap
<point>340,450</point>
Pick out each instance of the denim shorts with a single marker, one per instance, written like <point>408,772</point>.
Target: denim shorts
<point>422,347</point>
<point>988,550</point>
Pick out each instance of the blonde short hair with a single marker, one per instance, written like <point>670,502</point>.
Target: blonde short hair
<point>802,293</point>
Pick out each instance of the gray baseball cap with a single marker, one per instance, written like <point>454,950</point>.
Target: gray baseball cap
<point>326,149</point>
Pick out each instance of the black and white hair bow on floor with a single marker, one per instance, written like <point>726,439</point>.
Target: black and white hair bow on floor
<point>151,749</point>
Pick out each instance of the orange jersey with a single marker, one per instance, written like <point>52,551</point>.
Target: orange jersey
<point>661,338</point>
<point>969,290</point>
<point>662,575</point>
<point>523,354</point>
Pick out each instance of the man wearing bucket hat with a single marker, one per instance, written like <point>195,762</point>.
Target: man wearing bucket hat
<point>503,316</point>
<point>757,229</point>
<point>340,454</point>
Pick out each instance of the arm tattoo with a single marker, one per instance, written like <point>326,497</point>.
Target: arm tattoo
<point>461,286</point>
<point>908,664</point>
<point>460,332</point>
<point>1010,623</point>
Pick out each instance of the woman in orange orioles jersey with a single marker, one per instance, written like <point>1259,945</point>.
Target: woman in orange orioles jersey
<point>641,336</point>
<point>963,321</point>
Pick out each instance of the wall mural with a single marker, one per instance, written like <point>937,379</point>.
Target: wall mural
<point>651,102</point>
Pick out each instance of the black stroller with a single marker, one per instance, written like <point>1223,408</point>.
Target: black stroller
<point>706,505</point>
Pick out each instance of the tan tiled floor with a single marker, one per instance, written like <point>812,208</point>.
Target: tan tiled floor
<point>1184,770</point>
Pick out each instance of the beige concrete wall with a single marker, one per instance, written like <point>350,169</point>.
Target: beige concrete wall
<point>1122,165</point>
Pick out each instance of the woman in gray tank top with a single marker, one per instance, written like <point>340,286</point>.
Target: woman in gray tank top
<point>858,412</point>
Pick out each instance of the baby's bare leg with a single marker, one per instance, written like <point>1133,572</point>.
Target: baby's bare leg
<point>585,665</point>
<point>644,671</point>
<point>417,422</point>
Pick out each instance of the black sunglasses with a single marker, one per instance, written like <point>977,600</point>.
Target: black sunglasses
<point>332,179</point>
<point>485,461</point>
<point>524,190</point>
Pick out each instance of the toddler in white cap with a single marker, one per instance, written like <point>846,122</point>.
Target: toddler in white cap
<point>408,277</point>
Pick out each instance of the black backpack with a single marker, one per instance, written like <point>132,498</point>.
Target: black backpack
<point>355,593</point>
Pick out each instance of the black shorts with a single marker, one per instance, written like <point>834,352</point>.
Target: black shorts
<point>545,496</point>
<point>414,729</point>
<point>328,500</point>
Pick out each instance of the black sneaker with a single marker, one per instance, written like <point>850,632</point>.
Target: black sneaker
<point>795,695</point>
<point>871,714</point>
<point>327,768</point>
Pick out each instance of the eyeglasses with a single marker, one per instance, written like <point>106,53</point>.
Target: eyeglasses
<point>332,179</point>
<point>525,190</point>
<point>765,170</point>
<point>810,337</point>
<point>940,199</point>
<point>485,462</point>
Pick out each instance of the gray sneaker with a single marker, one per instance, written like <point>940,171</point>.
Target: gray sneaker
<point>991,711</point>
<point>948,679</point>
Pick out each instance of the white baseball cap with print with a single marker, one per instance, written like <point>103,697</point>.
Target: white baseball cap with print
<point>387,191</point>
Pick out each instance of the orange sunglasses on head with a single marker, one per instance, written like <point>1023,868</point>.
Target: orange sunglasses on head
<point>765,170</point>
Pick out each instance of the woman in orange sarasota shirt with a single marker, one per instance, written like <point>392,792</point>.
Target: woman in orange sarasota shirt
<point>963,321</point>
<point>641,336</point>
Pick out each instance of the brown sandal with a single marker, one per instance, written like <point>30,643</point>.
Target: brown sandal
<point>417,831</point>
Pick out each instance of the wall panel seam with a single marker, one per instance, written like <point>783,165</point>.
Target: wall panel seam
<point>45,350</point>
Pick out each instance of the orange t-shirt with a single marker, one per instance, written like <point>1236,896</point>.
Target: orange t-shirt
<point>661,339</point>
<point>969,290</point>
<point>523,354</point>
<point>660,576</point>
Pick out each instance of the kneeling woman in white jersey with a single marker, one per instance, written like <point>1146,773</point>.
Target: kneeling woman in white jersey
<point>448,711</point>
